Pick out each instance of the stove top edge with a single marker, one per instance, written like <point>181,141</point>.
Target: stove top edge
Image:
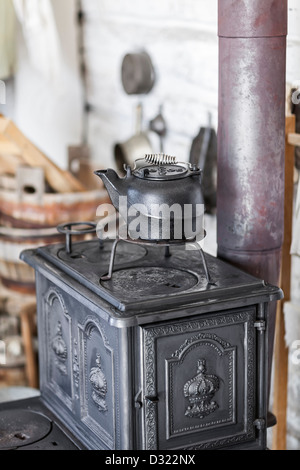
<point>232,284</point>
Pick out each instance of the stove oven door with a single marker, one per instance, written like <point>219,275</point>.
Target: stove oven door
<point>199,382</point>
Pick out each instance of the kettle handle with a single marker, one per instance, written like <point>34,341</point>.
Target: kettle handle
<point>162,159</point>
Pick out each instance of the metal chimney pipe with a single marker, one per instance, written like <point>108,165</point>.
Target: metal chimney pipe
<point>251,155</point>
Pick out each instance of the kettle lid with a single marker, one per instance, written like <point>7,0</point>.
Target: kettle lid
<point>162,168</point>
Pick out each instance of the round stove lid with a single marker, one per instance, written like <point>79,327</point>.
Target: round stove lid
<point>19,428</point>
<point>148,282</point>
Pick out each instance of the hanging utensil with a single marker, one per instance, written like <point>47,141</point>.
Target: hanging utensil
<point>159,126</point>
<point>126,153</point>
<point>137,73</point>
<point>204,154</point>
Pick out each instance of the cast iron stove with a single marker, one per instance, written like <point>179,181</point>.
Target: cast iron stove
<point>168,352</point>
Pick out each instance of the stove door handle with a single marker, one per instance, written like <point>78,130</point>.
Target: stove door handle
<point>152,399</point>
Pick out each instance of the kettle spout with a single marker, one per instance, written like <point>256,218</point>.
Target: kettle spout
<point>113,184</point>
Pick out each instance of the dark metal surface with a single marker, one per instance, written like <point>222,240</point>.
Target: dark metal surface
<point>20,428</point>
<point>134,366</point>
<point>98,252</point>
<point>227,405</point>
<point>30,425</point>
<point>151,281</point>
<point>69,230</point>
<point>229,283</point>
<point>167,254</point>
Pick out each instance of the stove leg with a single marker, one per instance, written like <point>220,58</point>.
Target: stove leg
<point>167,252</point>
<point>206,270</point>
<point>68,243</point>
<point>112,261</point>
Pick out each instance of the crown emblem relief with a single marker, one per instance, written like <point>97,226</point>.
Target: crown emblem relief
<point>200,391</point>
<point>99,385</point>
<point>60,350</point>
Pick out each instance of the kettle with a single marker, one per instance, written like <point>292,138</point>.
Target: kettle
<point>159,199</point>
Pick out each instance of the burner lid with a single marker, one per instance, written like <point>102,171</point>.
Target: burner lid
<point>19,428</point>
<point>141,282</point>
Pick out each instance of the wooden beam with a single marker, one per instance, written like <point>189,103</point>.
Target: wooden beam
<point>281,351</point>
<point>8,148</point>
<point>9,163</point>
<point>294,139</point>
<point>60,180</point>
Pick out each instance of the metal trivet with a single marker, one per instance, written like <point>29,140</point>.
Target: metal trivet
<point>68,230</point>
<point>90,255</point>
<point>167,244</point>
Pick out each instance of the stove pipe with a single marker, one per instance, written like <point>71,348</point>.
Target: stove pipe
<point>251,155</point>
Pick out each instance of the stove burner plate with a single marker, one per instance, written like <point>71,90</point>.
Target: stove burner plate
<point>19,428</point>
<point>143,282</point>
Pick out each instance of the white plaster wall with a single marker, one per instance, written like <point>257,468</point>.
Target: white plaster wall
<point>181,38</point>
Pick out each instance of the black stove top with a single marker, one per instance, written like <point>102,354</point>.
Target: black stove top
<point>145,278</point>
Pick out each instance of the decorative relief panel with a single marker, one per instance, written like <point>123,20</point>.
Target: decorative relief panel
<point>208,378</point>
<point>99,384</point>
<point>60,350</point>
<point>58,340</point>
<point>202,388</point>
<point>76,370</point>
<point>97,381</point>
